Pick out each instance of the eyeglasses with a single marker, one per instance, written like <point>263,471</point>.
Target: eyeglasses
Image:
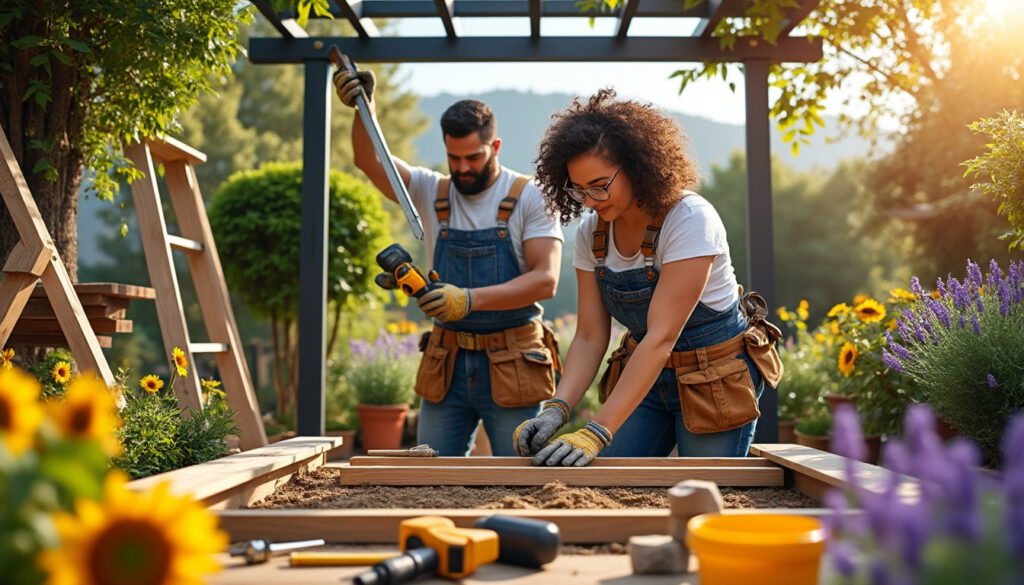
<point>595,193</point>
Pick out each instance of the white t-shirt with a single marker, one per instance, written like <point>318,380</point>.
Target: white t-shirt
<point>692,228</point>
<point>476,212</point>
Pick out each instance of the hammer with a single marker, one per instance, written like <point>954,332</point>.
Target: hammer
<point>260,550</point>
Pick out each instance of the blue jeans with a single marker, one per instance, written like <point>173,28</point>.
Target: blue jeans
<point>450,426</point>
<point>656,425</point>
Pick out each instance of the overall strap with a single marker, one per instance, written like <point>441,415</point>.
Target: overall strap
<point>508,204</point>
<point>442,206</point>
<point>650,242</point>
<point>599,245</point>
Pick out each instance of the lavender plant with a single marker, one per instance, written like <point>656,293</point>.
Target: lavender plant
<point>965,525</point>
<point>965,350</point>
<point>383,371</point>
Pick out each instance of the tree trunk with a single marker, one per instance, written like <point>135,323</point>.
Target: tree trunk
<point>42,138</point>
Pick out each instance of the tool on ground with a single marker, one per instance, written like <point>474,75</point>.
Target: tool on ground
<point>417,451</point>
<point>434,545</point>
<point>338,559</point>
<point>340,61</point>
<point>397,262</point>
<point>259,550</point>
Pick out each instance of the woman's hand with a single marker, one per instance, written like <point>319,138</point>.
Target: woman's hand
<point>531,436</point>
<point>575,449</point>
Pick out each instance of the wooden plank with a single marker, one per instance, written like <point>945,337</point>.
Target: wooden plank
<point>36,310</point>
<point>52,326</point>
<point>830,470</point>
<point>363,460</point>
<point>15,289</point>
<point>244,478</point>
<point>106,289</point>
<point>20,203</point>
<point>56,340</point>
<point>171,150</point>
<point>572,476</point>
<point>81,340</point>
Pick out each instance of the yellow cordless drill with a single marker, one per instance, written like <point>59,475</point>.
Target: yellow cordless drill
<point>397,262</point>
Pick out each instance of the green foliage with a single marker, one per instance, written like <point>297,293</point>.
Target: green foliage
<point>818,425</point>
<point>1001,169</point>
<point>383,372</point>
<point>805,377</point>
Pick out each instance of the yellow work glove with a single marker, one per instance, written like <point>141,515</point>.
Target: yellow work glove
<point>348,83</point>
<point>446,302</point>
<point>575,449</point>
<point>531,436</point>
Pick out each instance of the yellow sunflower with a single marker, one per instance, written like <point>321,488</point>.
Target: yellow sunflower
<point>180,362</point>
<point>151,384</point>
<point>5,359</point>
<point>129,538</point>
<point>20,410</point>
<point>88,413</point>
<point>860,299</point>
<point>899,295</point>
<point>847,358</point>
<point>61,372</point>
<point>783,314</point>
<point>801,310</point>
<point>840,309</point>
<point>870,311</point>
<point>833,326</point>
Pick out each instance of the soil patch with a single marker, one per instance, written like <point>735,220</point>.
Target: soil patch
<point>320,489</point>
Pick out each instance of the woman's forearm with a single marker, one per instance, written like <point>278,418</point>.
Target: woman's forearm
<point>582,362</point>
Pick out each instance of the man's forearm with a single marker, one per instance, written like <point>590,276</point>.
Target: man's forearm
<point>523,290</point>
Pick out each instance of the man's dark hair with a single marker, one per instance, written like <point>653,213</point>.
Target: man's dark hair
<point>467,116</point>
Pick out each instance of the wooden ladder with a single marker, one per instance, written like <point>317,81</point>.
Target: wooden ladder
<point>35,258</point>
<point>196,240</point>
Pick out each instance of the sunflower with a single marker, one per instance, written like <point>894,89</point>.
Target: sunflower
<point>20,411</point>
<point>860,299</point>
<point>801,310</point>
<point>88,413</point>
<point>129,538</point>
<point>180,362</point>
<point>61,372</point>
<point>151,384</point>
<point>783,314</point>
<point>840,309</point>
<point>833,326</point>
<point>5,359</point>
<point>847,357</point>
<point>869,311</point>
<point>899,295</point>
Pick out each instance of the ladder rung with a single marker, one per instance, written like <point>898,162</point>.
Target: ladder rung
<point>208,347</point>
<point>184,244</point>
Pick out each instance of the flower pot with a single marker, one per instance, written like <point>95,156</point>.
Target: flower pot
<point>381,425</point>
<point>874,445</point>
<point>348,443</point>
<point>819,442</point>
<point>834,400</point>
<point>786,434</point>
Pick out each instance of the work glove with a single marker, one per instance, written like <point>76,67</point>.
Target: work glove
<point>575,449</point>
<point>531,436</point>
<point>347,84</point>
<point>447,302</point>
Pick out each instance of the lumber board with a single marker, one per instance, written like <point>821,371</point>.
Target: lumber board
<point>571,476</point>
<point>243,478</point>
<point>49,340</point>
<point>106,289</point>
<point>817,471</point>
<point>36,310</point>
<point>52,327</point>
<point>363,460</point>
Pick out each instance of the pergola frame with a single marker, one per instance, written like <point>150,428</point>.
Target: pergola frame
<point>368,46</point>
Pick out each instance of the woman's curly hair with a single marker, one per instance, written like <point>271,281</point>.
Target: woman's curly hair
<point>650,147</point>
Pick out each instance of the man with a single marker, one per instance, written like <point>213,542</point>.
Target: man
<point>497,251</point>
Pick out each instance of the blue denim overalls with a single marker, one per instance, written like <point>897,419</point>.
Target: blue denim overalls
<point>475,258</point>
<point>657,424</point>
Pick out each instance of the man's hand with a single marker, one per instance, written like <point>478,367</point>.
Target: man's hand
<point>531,436</point>
<point>447,303</point>
<point>347,84</point>
<point>575,449</point>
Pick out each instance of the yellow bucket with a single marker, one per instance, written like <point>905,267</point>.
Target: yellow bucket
<point>756,549</point>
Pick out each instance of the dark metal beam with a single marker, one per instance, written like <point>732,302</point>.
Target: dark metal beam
<point>536,9</point>
<point>519,49</point>
<point>316,138</point>
<point>353,11</point>
<point>287,27</point>
<point>444,9</point>
<point>716,10</point>
<point>760,238</point>
<point>496,8</point>
<point>626,15</point>
<point>797,15</point>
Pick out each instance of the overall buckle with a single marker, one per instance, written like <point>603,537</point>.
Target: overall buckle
<point>465,340</point>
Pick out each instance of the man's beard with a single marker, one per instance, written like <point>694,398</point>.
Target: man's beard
<point>480,179</point>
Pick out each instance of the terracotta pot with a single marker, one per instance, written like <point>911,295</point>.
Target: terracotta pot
<point>945,430</point>
<point>835,400</point>
<point>381,425</point>
<point>874,445</point>
<point>819,442</point>
<point>786,434</point>
<point>348,443</point>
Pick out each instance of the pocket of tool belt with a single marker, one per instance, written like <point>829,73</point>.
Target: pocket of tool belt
<point>523,375</point>
<point>760,342</point>
<point>616,363</point>
<point>435,371</point>
<point>718,398</point>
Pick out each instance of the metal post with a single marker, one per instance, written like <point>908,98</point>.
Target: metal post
<point>316,135</point>
<point>760,244</point>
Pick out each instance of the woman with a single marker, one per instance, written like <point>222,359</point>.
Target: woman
<point>654,256</point>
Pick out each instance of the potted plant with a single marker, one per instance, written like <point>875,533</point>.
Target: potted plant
<point>381,376</point>
<point>814,431</point>
<point>805,377</point>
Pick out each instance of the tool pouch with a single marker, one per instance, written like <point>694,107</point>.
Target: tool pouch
<point>616,363</point>
<point>760,338</point>
<point>523,372</point>
<point>718,395</point>
<point>434,375</point>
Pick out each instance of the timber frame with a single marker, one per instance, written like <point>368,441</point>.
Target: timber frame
<point>696,44</point>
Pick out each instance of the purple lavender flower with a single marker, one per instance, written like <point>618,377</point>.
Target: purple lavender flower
<point>1016,278</point>
<point>901,352</point>
<point>991,381</point>
<point>960,321</point>
<point>844,557</point>
<point>961,489</point>
<point>893,362</point>
<point>902,328</point>
<point>941,286</point>
<point>981,305</point>
<point>960,295</point>
<point>915,286</point>
<point>974,271</point>
<point>847,439</point>
<point>994,273</point>
<point>977,325</point>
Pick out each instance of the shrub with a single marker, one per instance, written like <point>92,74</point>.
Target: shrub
<point>383,372</point>
<point>818,425</point>
<point>1001,169</point>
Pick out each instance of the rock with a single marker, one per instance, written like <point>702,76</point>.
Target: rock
<point>657,554</point>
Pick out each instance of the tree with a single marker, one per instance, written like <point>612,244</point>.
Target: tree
<point>79,78</point>
<point>1001,169</point>
<point>256,219</point>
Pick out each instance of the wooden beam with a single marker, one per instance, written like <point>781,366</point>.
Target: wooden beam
<point>717,10</point>
<point>536,9</point>
<point>287,26</point>
<point>445,10</point>
<point>525,462</point>
<point>53,326</point>
<point>795,16</point>
<point>626,14</point>
<point>572,476</point>
<point>353,11</point>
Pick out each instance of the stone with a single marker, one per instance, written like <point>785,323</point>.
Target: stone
<point>657,554</point>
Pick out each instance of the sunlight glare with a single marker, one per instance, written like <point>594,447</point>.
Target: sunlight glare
<point>997,7</point>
